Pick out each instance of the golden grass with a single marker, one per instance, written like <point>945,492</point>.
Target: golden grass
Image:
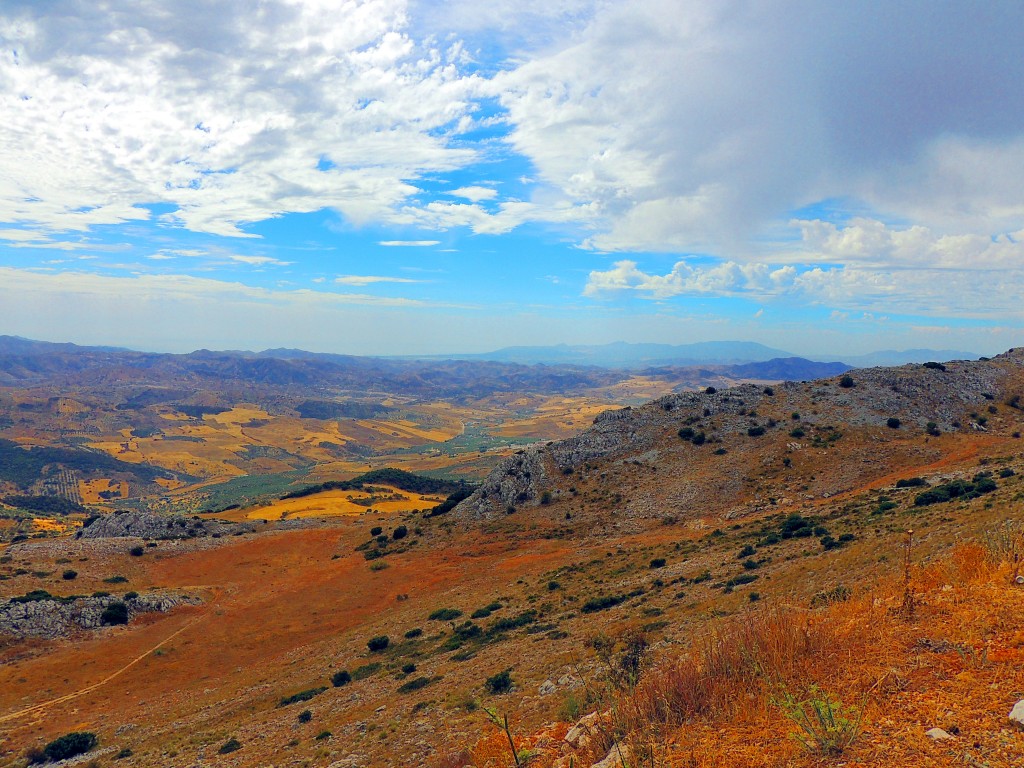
<point>341,503</point>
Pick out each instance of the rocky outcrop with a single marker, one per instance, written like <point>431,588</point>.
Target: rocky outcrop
<point>145,525</point>
<point>917,395</point>
<point>58,617</point>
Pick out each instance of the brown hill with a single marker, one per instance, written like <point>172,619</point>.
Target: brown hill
<point>690,592</point>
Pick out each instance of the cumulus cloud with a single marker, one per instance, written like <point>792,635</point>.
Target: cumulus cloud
<point>475,194</point>
<point>371,279</point>
<point>408,243</point>
<point>755,109</point>
<point>301,106</point>
<point>935,292</point>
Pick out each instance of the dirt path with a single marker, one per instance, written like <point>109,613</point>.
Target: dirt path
<point>104,681</point>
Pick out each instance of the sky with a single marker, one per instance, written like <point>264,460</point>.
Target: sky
<point>426,177</point>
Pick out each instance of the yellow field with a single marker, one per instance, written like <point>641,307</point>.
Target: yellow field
<point>91,490</point>
<point>554,418</point>
<point>340,503</point>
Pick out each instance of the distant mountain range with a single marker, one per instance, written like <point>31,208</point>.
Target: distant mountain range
<point>555,368</point>
<point>622,354</point>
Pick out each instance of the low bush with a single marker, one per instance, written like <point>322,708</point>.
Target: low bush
<point>69,575</point>
<point>445,614</point>
<point>338,679</point>
<point>137,551</point>
<point>846,382</point>
<point>378,644</point>
<point>306,695</point>
<point>658,562</point>
<point>892,422</point>
<point>69,745</point>
<point>115,613</point>
<point>499,683</point>
<point>595,604</point>
<point>414,632</point>
<point>229,746</point>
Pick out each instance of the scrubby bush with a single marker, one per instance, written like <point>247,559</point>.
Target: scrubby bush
<point>499,683</point>
<point>846,381</point>
<point>658,562</point>
<point>338,679</point>
<point>229,746</point>
<point>137,551</point>
<point>306,695</point>
<point>414,632</point>
<point>911,482</point>
<point>376,530</point>
<point>378,644</point>
<point>595,604</point>
<point>399,533</point>
<point>69,745</point>
<point>755,431</point>
<point>115,613</point>
<point>69,575</point>
<point>445,614</point>
<point>305,716</point>
<point>892,422</point>
<point>935,366</point>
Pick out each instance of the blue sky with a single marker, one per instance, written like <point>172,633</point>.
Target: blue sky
<point>402,176</point>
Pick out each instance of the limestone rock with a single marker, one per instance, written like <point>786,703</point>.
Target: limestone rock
<point>937,734</point>
<point>1017,714</point>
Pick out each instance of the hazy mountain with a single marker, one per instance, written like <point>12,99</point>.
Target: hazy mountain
<point>895,357</point>
<point>622,354</point>
<point>786,369</point>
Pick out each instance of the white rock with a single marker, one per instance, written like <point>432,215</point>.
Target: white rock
<point>1017,714</point>
<point>937,734</point>
<point>617,757</point>
<point>546,688</point>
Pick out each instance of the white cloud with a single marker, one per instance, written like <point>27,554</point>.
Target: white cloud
<point>475,194</point>
<point>370,279</point>
<point>235,116</point>
<point>409,243</point>
<point>963,292</point>
<point>258,261</point>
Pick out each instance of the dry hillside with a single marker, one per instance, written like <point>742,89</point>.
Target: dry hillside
<point>685,576</point>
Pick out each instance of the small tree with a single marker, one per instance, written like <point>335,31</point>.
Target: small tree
<point>846,381</point>
<point>115,613</point>
<point>69,745</point>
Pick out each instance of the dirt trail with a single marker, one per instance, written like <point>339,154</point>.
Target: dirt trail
<point>104,681</point>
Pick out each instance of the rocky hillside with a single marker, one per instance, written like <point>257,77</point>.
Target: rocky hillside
<point>710,438</point>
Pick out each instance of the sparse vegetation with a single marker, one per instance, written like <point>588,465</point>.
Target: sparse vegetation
<point>500,683</point>
<point>305,695</point>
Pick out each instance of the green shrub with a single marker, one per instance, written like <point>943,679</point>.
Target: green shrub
<point>376,530</point>
<point>130,595</point>
<point>445,614</point>
<point>747,551</point>
<point>126,752</point>
<point>796,432</point>
<point>935,366</point>
<point>686,433</point>
<point>499,683</point>
<point>365,671</point>
<point>115,613</point>
<point>699,439</point>
<point>399,533</point>
<point>136,551</point>
<point>378,644</point>
<point>341,678</point>
<point>553,585</point>
<point>69,745</point>
<point>595,604</point>
<point>846,381</point>
<point>69,575</point>
<point>911,482</point>
<point>306,695</point>
<point>415,684</point>
<point>323,735</point>
<point>116,580</point>
<point>305,716</point>
<point>755,431</point>
<point>892,422</point>
<point>415,632</point>
<point>658,562</point>
<point>229,746</point>
<point>408,669</point>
